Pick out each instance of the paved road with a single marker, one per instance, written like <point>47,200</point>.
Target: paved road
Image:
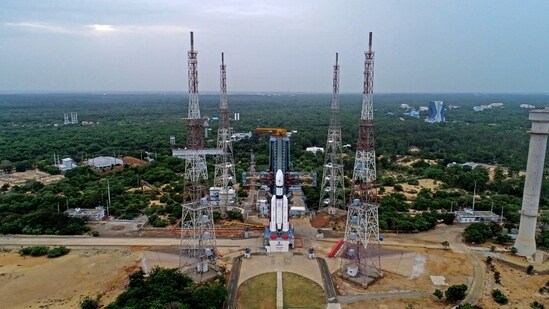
<point>230,301</point>
<point>76,241</point>
<point>329,289</point>
<point>347,299</point>
<point>476,290</point>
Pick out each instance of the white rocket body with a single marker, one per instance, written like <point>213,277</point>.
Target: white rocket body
<point>279,206</point>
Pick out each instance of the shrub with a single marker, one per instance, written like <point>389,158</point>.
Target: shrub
<point>89,303</point>
<point>34,251</point>
<point>413,181</point>
<point>537,305</point>
<point>58,251</point>
<point>499,297</point>
<point>529,269</point>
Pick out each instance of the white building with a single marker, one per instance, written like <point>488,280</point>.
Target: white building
<point>314,149</point>
<point>95,214</point>
<point>104,163</point>
<point>68,164</point>
<point>468,215</point>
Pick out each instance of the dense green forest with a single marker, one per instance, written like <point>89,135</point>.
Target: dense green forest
<point>132,124</point>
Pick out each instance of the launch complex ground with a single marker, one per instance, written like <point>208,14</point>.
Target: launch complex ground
<point>408,262</point>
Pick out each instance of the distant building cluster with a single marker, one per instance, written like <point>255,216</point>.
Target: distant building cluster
<point>527,106</point>
<point>471,165</point>
<point>480,108</point>
<point>436,112</point>
<point>238,136</point>
<point>72,120</point>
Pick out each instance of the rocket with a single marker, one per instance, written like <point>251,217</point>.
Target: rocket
<point>279,207</point>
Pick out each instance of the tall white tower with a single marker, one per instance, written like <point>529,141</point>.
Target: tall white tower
<point>526,239</point>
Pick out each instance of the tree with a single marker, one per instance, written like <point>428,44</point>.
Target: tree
<point>438,293</point>
<point>537,305</point>
<point>445,244</point>
<point>455,293</point>
<point>477,233</point>
<point>529,269</point>
<point>514,250</point>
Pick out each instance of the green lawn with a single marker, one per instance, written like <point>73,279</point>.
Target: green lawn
<point>258,292</point>
<point>301,292</point>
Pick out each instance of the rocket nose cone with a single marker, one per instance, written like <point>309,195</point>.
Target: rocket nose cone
<point>279,179</point>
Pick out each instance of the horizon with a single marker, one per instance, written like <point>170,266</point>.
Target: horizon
<point>426,46</point>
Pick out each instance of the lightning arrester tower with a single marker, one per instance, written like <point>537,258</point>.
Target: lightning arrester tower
<point>526,242</point>
<point>224,164</point>
<point>332,190</point>
<point>365,159</point>
<point>360,252</point>
<point>198,246</point>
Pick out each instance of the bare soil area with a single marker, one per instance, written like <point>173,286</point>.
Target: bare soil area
<point>20,178</point>
<point>39,282</point>
<point>453,266</point>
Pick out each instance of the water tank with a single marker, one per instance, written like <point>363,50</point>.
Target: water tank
<point>353,236</point>
<point>208,251</point>
<point>206,235</point>
<point>205,218</point>
<point>356,202</point>
<point>354,219</point>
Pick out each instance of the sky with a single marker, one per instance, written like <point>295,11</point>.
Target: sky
<point>434,46</point>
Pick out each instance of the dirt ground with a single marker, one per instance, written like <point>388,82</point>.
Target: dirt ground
<point>20,178</point>
<point>39,282</point>
<point>454,267</point>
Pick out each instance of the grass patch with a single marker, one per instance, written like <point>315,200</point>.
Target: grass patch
<point>301,292</point>
<point>258,292</point>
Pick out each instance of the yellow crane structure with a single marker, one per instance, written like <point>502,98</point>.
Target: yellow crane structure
<point>280,132</point>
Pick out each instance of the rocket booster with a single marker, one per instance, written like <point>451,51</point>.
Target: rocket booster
<point>279,206</point>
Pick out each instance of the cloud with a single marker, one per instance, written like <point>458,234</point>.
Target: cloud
<point>102,28</point>
<point>40,27</point>
<point>98,28</point>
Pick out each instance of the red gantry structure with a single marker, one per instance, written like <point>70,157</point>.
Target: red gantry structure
<point>198,245</point>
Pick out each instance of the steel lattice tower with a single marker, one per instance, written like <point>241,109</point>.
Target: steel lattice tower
<point>197,226</point>
<point>360,252</point>
<point>365,159</point>
<point>224,164</point>
<point>332,190</point>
